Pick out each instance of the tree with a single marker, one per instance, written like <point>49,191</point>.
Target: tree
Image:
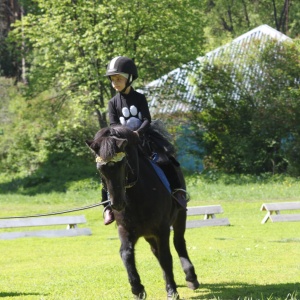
<point>10,58</point>
<point>73,41</point>
<point>227,19</point>
<point>9,12</point>
<point>250,115</point>
<point>68,45</point>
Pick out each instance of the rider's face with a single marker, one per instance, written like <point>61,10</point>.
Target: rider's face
<point>118,82</point>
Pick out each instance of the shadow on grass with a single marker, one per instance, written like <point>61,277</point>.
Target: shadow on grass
<point>55,175</point>
<point>241,291</point>
<point>16,294</point>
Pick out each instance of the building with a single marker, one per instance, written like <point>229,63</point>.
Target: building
<point>174,92</point>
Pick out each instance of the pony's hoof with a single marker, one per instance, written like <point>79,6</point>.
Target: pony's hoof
<point>193,285</point>
<point>174,296</point>
<point>140,296</point>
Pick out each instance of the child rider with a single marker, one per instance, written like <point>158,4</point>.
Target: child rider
<point>127,107</point>
<point>130,108</point>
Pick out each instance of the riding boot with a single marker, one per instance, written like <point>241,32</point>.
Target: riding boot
<point>180,196</point>
<point>108,215</point>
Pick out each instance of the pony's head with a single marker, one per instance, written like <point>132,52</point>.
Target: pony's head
<point>115,149</point>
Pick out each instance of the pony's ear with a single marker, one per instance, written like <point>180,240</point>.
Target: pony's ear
<point>89,143</point>
<point>121,143</point>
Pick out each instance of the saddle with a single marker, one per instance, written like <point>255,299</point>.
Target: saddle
<point>161,153</point>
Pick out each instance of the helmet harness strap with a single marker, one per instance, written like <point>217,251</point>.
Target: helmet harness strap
<point>128,83</point>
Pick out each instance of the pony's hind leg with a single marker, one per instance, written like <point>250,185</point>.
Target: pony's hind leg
<point>153,244</point>
<point>180,246</point>
<point>154,248</point>
<point>161,249</point>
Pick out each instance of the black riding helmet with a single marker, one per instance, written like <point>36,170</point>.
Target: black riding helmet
<point>122,64</point>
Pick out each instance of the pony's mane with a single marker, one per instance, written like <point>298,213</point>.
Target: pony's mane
<point>104,142</point>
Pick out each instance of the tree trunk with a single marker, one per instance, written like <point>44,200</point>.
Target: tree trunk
<point>23,76</point>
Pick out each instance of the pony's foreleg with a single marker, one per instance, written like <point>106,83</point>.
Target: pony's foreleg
<point>180,246</point>
<point>127,255</point>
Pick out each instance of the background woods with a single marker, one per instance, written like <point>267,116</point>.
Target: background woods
<point>53,55</point>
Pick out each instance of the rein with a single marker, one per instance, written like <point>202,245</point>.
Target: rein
<point>58,212</point>
<point>131,184</point>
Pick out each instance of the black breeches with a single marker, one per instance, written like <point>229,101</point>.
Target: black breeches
<point>171,172</point>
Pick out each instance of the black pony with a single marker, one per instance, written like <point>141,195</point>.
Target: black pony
<point>142,206</point>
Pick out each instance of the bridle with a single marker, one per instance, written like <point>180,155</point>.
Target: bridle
<point>130,184</point>
<point>118,157</point>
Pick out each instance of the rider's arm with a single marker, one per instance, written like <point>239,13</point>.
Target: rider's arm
<point>113,113</point>
<point>144,108</point>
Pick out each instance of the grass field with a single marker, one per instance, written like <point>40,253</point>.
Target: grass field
<point>246,260</point>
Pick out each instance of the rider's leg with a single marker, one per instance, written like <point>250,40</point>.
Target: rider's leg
<point>173,173</point>
<point>108,214</point>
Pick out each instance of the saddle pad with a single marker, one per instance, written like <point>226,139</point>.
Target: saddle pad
<point>161,175</point>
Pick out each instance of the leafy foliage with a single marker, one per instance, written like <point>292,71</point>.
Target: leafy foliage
<point>40,147</point>
<point>229,19</point>
<point>66,46</point>
<point>250,116</point>
<point>70,44</point>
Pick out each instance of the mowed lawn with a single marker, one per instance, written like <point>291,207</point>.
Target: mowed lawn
<point>246,260</point>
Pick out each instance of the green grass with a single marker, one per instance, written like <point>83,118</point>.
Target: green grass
<point>246,260</point>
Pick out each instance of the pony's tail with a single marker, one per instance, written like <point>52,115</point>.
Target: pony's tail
<point>162,137</point>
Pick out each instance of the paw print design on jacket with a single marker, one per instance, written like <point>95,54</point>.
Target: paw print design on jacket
<point>131,117</point>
